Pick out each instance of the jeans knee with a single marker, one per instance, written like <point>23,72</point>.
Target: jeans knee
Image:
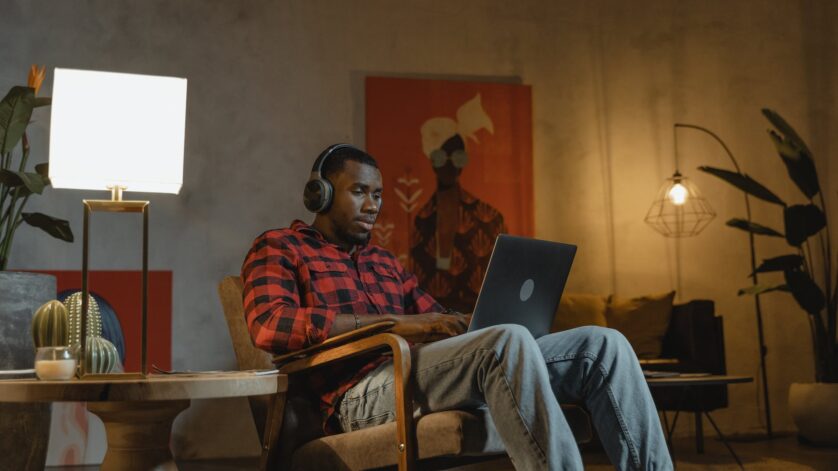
<point>606,340</point>
<point>510,332</point>
<point>505,337</point>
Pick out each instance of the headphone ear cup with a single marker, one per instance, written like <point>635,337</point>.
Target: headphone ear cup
<point>327,195</point>
<point>317,196</point>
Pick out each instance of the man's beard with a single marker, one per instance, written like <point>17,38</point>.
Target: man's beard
<point>354,239</point>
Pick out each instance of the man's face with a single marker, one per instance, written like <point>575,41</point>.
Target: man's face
<point>357,201</point>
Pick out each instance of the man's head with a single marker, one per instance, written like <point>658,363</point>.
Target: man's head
<point>356,197</point>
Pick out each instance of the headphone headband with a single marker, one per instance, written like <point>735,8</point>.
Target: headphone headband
<point>321,159</point>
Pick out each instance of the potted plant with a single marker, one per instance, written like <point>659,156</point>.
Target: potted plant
<point>808,274</point>
<point>25,427</point>
<point>17,184</point>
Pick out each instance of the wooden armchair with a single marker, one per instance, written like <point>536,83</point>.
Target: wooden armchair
<point>289,424</point>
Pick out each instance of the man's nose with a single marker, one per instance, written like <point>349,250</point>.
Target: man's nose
<point>370,205</point>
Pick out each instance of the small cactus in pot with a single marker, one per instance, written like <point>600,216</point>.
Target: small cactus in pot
<point>100,356</point>
<point>50,325</point>
<point>94,319</point>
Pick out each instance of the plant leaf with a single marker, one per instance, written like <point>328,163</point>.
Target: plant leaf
<point>759,289</point>
<point>42,101</point>
<point>802,221</point>
<point>785,129</point>
<point>781,263</point>
<point>58,228</point>
<point>15,112</point>
<point>805,291</point>
<point>799,164</point>
<point>33,182</point>
<point>753,227</point>
<point>744,183</point>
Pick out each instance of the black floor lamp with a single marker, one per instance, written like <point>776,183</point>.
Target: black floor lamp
<point>680,211</point>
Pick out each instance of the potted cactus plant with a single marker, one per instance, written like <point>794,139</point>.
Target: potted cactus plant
<point>25,428</point>
<point>807,272</point>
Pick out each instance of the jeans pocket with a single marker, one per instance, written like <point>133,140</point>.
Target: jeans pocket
<point>364,422</point>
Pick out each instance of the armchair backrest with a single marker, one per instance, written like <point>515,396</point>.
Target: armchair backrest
<point>248,357</point>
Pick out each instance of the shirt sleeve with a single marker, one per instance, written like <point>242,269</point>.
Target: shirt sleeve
<point>275,318</point>
<point>416,300</point>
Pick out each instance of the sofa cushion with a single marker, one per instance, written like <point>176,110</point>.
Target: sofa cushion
<point>578,309</point>
<point>643,320</point>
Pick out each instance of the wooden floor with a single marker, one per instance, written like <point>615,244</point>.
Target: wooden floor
<point>783,454</point>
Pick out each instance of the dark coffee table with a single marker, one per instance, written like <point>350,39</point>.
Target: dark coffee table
<point>689,382</point>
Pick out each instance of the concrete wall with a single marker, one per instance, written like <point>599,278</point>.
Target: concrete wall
<point>272,82</point>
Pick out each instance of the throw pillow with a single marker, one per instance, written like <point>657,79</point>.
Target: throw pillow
<point>642,320</point>
<point>577,310</point>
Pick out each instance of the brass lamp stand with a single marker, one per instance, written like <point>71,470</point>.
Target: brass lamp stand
<point>115,205</point>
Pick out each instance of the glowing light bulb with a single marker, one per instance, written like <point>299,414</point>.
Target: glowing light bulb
<point>677,194</point>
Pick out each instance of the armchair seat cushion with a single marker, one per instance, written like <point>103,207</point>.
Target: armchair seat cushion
<point>440,434</point>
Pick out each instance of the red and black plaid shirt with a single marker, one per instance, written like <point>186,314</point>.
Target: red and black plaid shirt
<point>296,283</point>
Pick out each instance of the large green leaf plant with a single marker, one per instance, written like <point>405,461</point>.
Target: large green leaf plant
<point>808,268</point>
<point>16,183</point>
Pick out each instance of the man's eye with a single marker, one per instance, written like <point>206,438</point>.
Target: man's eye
<point>357,192</point>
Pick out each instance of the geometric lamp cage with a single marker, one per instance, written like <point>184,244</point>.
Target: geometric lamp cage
<point>679,210</point>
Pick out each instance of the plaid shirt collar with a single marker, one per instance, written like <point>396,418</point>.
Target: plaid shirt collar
<point>309,230</point>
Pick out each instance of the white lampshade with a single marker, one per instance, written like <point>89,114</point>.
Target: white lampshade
<point>117,129</point>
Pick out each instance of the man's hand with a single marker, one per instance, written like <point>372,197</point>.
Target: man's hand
<point>430,327</point>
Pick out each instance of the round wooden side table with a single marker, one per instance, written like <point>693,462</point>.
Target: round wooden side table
<point>138,413</point>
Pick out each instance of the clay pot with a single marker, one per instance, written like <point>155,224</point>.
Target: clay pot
<point>814,409</point>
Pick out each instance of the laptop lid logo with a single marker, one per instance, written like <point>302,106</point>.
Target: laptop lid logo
<point>526,290</point>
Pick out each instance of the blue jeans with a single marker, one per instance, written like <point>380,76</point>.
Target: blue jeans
<point>521,381</point>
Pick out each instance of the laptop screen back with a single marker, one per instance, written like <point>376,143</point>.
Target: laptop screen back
<point>523,284</point>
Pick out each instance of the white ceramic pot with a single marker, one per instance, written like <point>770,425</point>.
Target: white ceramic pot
<point>814,409</point>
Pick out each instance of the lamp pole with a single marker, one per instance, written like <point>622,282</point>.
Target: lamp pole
<point>762,349</point>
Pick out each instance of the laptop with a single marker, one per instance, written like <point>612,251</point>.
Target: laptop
<point>523,284</point>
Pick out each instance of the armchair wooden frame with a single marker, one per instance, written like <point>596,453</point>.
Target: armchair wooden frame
<point>341,347</point>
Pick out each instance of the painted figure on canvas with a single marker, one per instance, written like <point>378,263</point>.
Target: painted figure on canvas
<point>454,232</point>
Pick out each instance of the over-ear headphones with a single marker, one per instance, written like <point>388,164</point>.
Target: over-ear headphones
<point>318,192</point>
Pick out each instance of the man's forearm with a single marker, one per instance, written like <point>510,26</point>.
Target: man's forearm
<point>346,322</point>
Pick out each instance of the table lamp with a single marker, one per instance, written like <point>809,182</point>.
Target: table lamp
<point>116,132</point>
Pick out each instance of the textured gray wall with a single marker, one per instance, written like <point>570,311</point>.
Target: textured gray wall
<point>272,82</point>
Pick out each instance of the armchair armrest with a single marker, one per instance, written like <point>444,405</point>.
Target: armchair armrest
<point>339,348</point>
<point>335,341</point>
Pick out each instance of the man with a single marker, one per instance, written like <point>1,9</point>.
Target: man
<point>306,283</point>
